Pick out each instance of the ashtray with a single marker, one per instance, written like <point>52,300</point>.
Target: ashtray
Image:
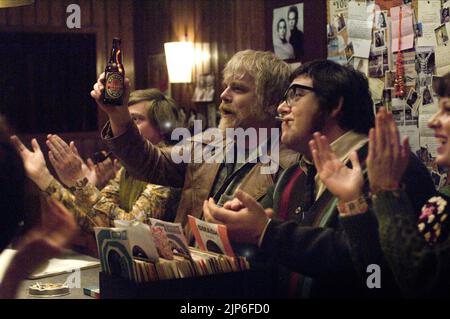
<point>48,290</point>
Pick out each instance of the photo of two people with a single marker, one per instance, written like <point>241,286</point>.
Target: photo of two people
<point>287,32</point>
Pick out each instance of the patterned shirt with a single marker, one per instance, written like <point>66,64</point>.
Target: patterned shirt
<point>94,208</point>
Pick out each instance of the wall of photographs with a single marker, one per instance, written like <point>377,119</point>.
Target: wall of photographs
<point>369,35</point>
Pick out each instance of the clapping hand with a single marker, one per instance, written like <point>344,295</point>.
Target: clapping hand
<point>345,183</point>
<point>34,162</point>
<point>387,159</point>
<point>245,218</point>
<point>65,160</point>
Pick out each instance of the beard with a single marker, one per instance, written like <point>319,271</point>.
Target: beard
<point>250,117</point>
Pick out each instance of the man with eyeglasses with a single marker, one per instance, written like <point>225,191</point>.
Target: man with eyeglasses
<point>305,234</point>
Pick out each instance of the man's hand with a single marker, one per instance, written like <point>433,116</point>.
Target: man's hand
<point>34,162</point>
<point>245,225</point>
<point>234,204</point>
<point>67,163</point>
<point>119,116</point>
<point>345,183</point>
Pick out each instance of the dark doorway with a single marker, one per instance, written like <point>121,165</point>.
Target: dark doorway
<point>45,82</point>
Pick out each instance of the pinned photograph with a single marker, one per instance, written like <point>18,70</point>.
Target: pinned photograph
<point>412,97</point>
<point>398,110</point>
<point>439,179</point>
<point>376,66</point>
<point>445,15</point>
<point>379,39</point>
<point>362,65</point>
<point>336,45</point>
<point>413,101</point>
<point>427,98</point>
<point>380,19</point>
<point>425,64</point>
<point>339,22</point>
<point>441,35</point>
<point>418,30</point>
<point>387,98</point>
<point>204,89</point>
<point>408,114</point>
<point>349,51</point>
<point>389,79</point>
<point>330,31</point>
<point>287,32</point>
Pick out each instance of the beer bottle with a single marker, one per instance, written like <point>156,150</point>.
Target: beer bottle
<point>114,76</point>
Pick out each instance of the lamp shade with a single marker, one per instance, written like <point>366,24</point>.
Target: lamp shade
<point>15,3</point>
<point>179,59</point>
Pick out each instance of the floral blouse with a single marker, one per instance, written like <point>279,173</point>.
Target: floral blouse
<point>94,208</point>
<point>417,250</point>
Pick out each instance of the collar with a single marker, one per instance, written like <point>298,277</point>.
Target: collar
<point>343,146</point>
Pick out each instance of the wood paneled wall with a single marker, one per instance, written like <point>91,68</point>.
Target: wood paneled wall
<point>105,18</point>
<point>219,27</point>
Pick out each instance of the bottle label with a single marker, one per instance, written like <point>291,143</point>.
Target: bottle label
<point>114,85</point>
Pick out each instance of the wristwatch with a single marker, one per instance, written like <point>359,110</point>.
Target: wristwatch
<point>79,184</point>
<point>354,207</point>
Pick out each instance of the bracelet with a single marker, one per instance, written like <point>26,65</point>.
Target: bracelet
<point>354,207</point>
<point>79,184</point>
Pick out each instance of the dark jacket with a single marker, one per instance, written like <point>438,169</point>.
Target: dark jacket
<point>421,267</point>
<point>317,246</point>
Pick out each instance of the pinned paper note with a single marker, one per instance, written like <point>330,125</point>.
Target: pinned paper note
<point>403,13</point>
<point>442,56</point>
<point>429,12</point>
<point>360,23</point>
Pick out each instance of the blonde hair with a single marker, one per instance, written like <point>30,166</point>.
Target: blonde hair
<point>270,73</point>
<point>162,111</point>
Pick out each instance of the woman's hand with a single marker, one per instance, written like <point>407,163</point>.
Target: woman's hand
<point>387,159</point>
<point>66,162</point>
<point>105,171</point>
<point>34,162</point>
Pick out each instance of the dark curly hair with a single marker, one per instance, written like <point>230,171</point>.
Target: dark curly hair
<point>333,81</point>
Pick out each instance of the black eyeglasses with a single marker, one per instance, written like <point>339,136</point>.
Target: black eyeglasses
<point>295,92</point>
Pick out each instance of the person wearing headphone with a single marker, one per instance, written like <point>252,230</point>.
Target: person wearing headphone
<point>124,197</point>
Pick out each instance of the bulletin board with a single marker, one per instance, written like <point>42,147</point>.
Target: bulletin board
<point>369,35</point>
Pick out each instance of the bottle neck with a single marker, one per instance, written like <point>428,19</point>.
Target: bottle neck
<point>116,55</point>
